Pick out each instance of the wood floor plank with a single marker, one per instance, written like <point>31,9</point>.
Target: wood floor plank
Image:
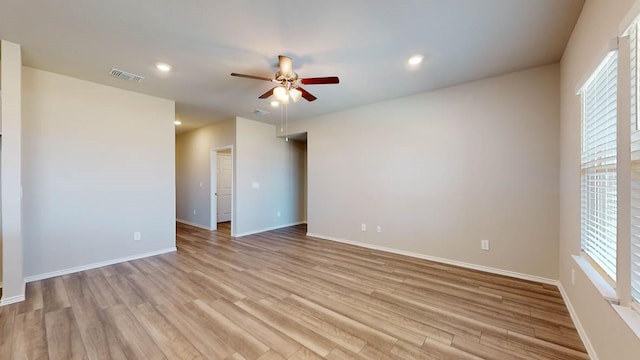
<point>54,294</point>
<point>270,336</point>
<point>169,287</point>
<point>195,328</point>
<point>29,336</point>
<point>149,291</point>
<point>445,327</point>
<point>7,327</point>
<point>125,291</point>
<point>482,350</point>
<point>271,355</point>
<point>546,346</point>
<point>405,351</point>
<point>98,337</point>
<point>339,353</point>
<point>433,347</point>
<point>192,289</point>
<point>281,295</point>
<point>355,311</point>
<point>305,354</point>
<point>33,298</point>
<point>76,285</point>
<point>371,352</point>
<point>137,343</point>
<point>368,334</point>
<point>235,356</point>
<point>214,284</point>
<point>233,335</point>
<point>172,343</point>
<point>317,343</point>
<point>321,327</point>
<point>63,335</point>
<point>417,330</point>
<point>102,292</point>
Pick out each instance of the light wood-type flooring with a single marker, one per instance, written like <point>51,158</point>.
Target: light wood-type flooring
<point>282,295</point>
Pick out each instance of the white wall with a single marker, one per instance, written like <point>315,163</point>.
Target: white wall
<point>442,170</point>
<point>12,238</point>
<point>193,163</point>
<point>303,180</point>
<point>277,166</point>
<point>98,165</point>
<point>599,22</point>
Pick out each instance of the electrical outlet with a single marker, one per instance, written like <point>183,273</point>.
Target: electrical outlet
<point>573,276</point>
<point>363,227</point>
<point>137,236</point>
<point>484,245</point>
<point>278,214</point>
<point>378,228</point>
<point>194,211</point>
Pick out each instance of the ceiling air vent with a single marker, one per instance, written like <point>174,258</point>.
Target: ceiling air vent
<point>126,75</point>
<point>260,112</point>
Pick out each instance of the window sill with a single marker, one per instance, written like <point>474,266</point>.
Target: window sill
<point>606,290</point>
<point>630,316</point>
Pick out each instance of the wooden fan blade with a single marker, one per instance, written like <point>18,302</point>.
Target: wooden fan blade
<point>251,77</point>
<point>307,95</point>
<point>320,80</point>
<point>267,94</point>
<point>285,64</point>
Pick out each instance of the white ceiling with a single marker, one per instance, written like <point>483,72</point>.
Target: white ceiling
<point>364,42</point>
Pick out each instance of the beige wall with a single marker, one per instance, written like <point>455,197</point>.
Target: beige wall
<point>277,166</point>
<point>12,238</point>
<point>98,165</point>
<point>599,22</point>
<point>193,163</point>
<point>442,170</point>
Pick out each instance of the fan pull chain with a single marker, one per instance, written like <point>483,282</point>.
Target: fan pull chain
<point>286,121</point>
<point>281,119</point>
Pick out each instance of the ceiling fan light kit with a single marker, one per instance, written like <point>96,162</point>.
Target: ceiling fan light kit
<point>282,94</point>
<point>295,94</point>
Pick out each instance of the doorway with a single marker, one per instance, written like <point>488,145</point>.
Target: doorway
<point>222,188</point>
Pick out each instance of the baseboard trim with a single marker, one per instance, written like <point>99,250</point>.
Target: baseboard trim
<point>268,229</point>
<point>12,300</point>
<point>440,260</point>
<point>576,321</point>
<point>97,265</point>
<point>193,224</point>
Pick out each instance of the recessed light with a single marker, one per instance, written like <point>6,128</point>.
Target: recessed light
<point>275,103</point>
<point>415,59</point>
<point>163,67</point>
<point>177,122</point>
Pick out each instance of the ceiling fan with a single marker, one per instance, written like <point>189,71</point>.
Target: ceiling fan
<point>289,82</point>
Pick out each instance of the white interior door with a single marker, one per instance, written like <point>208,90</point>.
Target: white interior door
<point>223,190</point>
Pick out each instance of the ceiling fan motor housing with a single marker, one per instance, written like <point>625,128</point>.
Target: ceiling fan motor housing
<point>288,82</point>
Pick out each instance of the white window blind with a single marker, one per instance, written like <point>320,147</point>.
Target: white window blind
<point>599,190</point>
<point>635,168</point>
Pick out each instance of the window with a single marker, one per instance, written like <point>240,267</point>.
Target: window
<point>599,162</point>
